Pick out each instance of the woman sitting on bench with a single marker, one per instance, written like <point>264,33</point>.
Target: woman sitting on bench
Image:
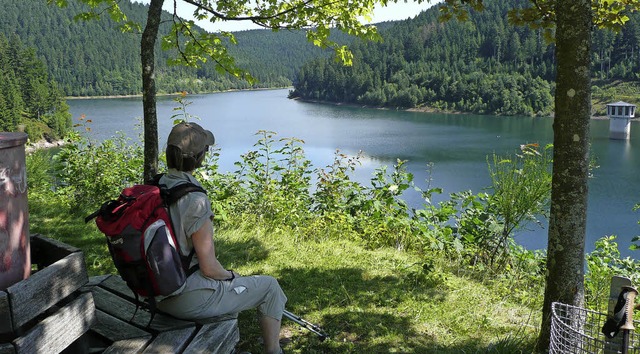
<point>213,290</point>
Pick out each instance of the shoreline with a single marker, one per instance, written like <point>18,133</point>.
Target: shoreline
<point>43,144</point>
<point>427,109</point>
<point>412,109</point>
<point>173,94</point>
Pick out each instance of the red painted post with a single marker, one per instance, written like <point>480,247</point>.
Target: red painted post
<point>15,254</point>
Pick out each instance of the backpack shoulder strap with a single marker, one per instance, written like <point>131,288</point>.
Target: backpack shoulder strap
<point>172,195</point>
<point>156,179</point>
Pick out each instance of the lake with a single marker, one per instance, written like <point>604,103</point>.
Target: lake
<point>456,144</point>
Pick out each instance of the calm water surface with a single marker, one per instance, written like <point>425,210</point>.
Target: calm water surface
<point>457,145</point>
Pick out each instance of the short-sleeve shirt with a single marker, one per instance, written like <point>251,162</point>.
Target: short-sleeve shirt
<point>190,212</point>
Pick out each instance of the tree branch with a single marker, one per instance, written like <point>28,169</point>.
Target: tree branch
<point>258,20</point>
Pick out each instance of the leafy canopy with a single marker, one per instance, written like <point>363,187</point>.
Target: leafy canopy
<point>610,14</point>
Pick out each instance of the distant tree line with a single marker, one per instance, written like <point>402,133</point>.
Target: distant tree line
<point>29,100</point>
<point>484,65</point>
<point>94,58</point>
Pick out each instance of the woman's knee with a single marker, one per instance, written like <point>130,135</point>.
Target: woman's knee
<point>273,290</point>
<point>272,285</point>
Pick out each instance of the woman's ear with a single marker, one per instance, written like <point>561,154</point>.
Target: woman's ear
<point>200,158</point>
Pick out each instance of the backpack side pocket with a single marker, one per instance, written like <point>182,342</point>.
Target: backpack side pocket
<point>163,259</point>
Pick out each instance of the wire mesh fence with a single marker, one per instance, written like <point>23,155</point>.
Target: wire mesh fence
<point>575,330</point>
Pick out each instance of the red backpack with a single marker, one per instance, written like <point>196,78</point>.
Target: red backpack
<point>142,241</point>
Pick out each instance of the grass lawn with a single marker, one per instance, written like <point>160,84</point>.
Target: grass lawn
<point>375,301</point>
<point>367,300</point>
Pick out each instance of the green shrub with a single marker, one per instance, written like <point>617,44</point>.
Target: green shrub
<point>89,173</point>
<point>602,264</point>
<point>276,188</point>
<point>39,170</point>
<point>35,129</point>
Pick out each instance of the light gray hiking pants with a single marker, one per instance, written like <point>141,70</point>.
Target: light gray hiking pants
<point>204,297</point>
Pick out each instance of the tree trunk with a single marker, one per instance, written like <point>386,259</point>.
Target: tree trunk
<point>568,218</point>
<point>147,56</point>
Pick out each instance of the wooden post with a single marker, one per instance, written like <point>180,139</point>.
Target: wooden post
<point>618,283</point>
<point>15,255</point>
<point>628,326</point>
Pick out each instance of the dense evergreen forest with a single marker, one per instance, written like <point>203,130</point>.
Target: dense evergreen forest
<point>484,65</point>
<point>93,58</point>
<point>29,100</point>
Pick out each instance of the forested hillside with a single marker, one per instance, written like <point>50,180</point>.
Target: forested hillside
<point>95,58</point>
<point>484,65</point>
<point>29,100</point>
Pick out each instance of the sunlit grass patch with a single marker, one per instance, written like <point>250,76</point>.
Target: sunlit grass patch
<point>369,301</point>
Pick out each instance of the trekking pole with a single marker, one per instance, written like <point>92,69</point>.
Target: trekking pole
<point>628,327</point>
<point>306,324</point>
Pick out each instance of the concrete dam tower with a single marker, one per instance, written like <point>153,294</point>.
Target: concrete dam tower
<point>620,115</point>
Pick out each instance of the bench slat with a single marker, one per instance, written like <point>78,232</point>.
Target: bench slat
<point>116,285</point>
<point>115,329</point>
<point>6,325</point>
<point>171,335</point>
<point>58,331</point>
<point>96,280</point>
<point>46,251</point>
<point>34,295</point>
<point>171,341</point>
<point>122,309</point>
<point>128,346</point>
<point>7,348</point>
<point>220,337</point>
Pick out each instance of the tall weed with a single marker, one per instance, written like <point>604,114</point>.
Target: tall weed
<point>521,185</point>
<point>275,181</point>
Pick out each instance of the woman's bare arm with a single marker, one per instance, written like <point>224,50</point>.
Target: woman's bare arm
<point>206,251</point>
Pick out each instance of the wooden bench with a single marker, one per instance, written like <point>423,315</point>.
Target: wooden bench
<point>46,313</point>
<point>115,331</point>
<point>60,309</point>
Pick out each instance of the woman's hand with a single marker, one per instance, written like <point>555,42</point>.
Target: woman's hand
<point>232,276</point>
